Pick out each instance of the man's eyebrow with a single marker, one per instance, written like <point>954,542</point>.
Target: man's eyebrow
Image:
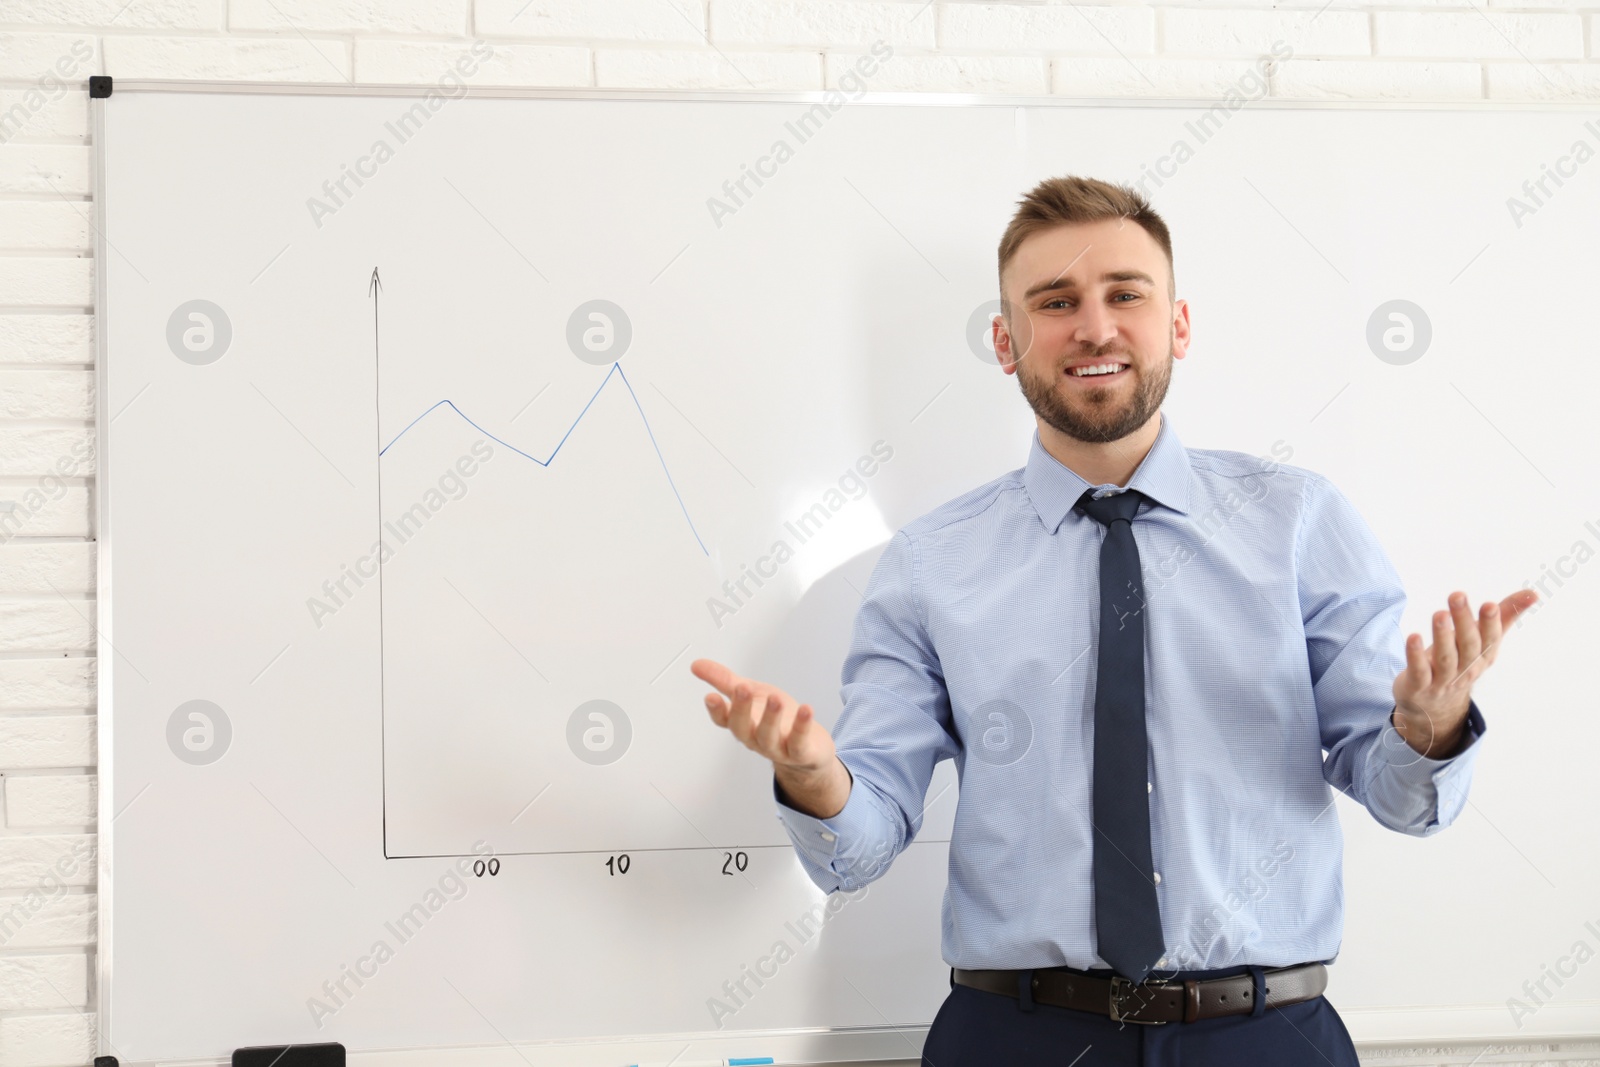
<point>1110,276</point>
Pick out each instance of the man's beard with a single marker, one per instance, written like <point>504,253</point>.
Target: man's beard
<point>1096,421</point>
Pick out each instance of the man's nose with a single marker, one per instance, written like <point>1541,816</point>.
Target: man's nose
<point>1095,326</point>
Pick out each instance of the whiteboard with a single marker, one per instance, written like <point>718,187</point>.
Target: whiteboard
<point>418,499</point>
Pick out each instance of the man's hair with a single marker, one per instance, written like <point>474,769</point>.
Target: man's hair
<point>1069,200</point>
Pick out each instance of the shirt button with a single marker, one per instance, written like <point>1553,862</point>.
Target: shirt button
<point>825,835</point>
<point>1158,877</point>
<point>1149,787</point>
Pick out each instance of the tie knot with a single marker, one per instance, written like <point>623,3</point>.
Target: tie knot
<point>1111,507</point>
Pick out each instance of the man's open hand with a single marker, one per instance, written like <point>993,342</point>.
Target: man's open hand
<point>769,721</point>
<point>765,718</point>
<point>1432,695</point>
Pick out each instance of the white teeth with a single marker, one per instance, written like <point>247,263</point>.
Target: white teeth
<point>1099,368</point>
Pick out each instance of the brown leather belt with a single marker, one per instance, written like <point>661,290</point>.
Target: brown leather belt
<point>1153,1002</point>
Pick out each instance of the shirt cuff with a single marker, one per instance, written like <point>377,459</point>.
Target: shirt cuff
<point>827,841</point>
<point>1450,776</point>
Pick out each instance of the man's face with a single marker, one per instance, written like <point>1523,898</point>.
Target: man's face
<point>1088,295</point>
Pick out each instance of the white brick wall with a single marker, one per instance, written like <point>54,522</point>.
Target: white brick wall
<point>1342,49</point>
<point>42,801</point>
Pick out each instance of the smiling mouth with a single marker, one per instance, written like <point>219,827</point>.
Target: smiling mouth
<point>1097,372</point>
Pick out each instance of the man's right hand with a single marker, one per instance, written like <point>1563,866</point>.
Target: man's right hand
<point>769,721</point>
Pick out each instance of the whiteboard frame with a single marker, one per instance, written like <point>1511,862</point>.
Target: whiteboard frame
<point>871,1043</point>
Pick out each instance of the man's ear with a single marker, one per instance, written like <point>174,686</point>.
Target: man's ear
<point>1180,329</point>
<point>1003,347</point>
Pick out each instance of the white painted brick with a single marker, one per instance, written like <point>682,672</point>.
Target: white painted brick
<point>117,14</point>
<point>29,511</point>
<point>47,169</point>
<point>35,451</point>
<point>50,567</point>
<point>46,919</point>
<point>44,511</point>
<point>49,682</point>
<point>44,742</point>
<point>290,58</point>
<point>49,800</point>
<point>1314,6</point>
<point>1018,75</point>
<point>1479,35</point>
<point>27,861</point>
<point>416,62</point>
<point>46,625</point>
<point>834,24</point>
<point>31,983</point>
<point>1203,79</point>
<point>1209,32</point>
<point>56,109</point>
<point>1330,79</point>
<point>47,1040</point>
<point>657,68</point>
<point>350,16</point>
<point>53,337</point>
<point>1544,81</point>
<point>657,21</point>
<point>1076,28</point>
<point>52,224</point>
<point>48,392</point>
<point>67,56</point>
<point>46,280</point>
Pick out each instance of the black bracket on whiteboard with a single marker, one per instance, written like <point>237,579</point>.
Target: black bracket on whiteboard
<point>99,86</point>
<point>329,1055</point>
<point>105,1061</point>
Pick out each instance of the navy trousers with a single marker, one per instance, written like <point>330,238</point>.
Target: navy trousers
<point>978,1029</point>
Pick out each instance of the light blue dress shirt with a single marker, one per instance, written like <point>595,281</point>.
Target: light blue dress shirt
<point>1272,637</point>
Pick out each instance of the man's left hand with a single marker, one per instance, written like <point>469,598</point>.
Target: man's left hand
<point>1433,693</point>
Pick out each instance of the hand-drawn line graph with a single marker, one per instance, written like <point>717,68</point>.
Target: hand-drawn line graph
<point>374,290</point>
<point>616,369</point>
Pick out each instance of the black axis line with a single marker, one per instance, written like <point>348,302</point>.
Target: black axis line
<point>374,287</point>
<point>624,851</point>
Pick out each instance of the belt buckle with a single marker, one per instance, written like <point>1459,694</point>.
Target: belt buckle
<point>1120,989</point>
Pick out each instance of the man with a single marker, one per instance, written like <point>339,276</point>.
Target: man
<point>1136,654</point>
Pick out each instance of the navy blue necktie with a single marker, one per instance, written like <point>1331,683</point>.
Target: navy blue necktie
<point>1127,917</point>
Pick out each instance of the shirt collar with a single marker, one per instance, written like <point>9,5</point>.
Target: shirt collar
<point>1163,476</point>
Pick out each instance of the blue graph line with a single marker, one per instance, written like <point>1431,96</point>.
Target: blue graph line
<point>616,368</point>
